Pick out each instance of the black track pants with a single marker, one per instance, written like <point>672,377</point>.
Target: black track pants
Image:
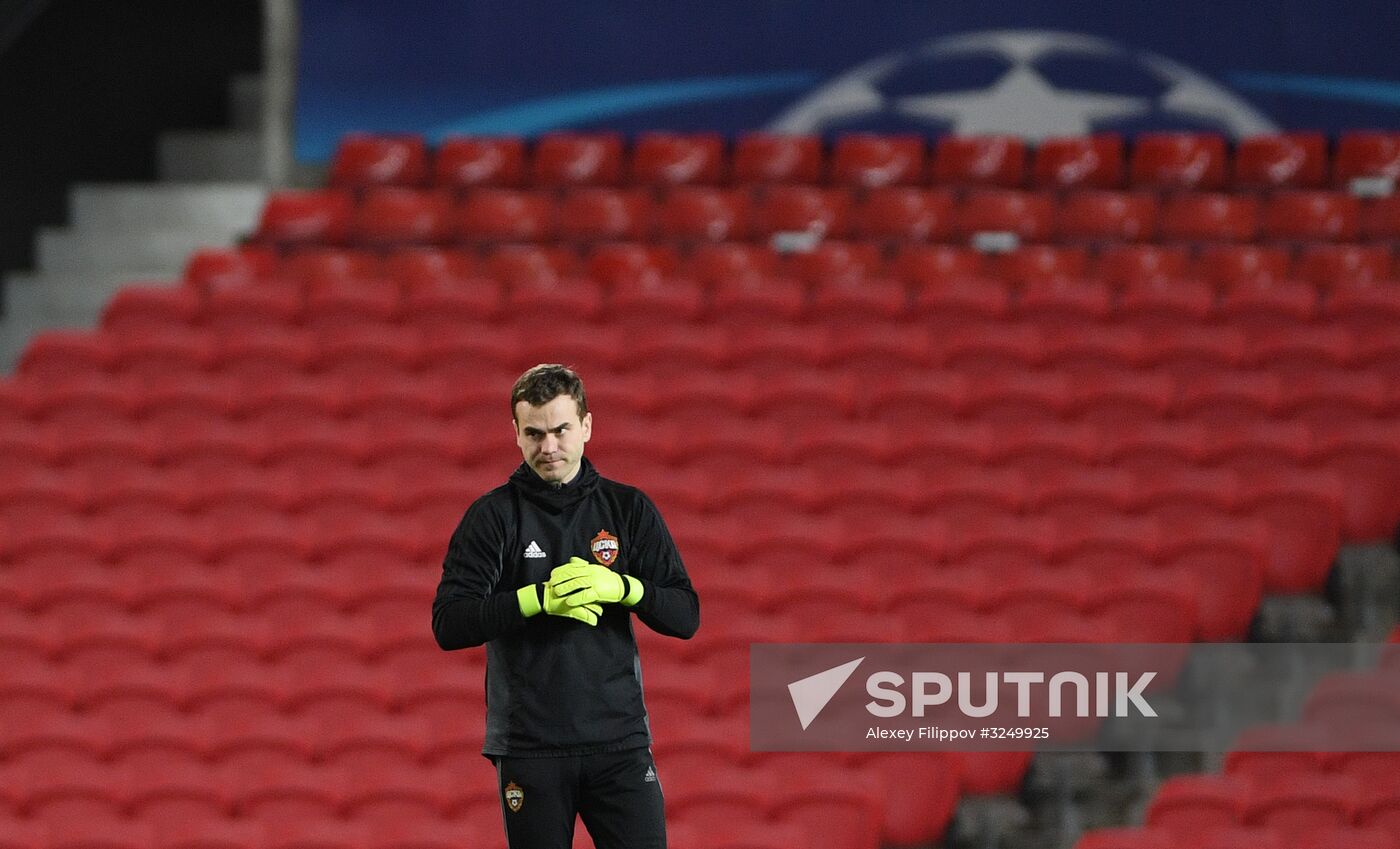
<point>617,794</point>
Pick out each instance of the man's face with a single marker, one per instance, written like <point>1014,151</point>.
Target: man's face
<point>551,437</point>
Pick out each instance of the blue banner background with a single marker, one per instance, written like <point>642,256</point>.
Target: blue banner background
<point>527,66</point>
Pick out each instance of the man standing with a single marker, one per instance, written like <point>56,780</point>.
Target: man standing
<point>546,571</point>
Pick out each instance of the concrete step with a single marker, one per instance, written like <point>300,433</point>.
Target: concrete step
<point>70,297</point>
<point>204,155</point>
<point>220,207</point>
<point>36,302</point>
<point>245,95</point>
<point>65,251</point>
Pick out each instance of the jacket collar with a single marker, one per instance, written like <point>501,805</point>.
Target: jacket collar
<point>555,498</point>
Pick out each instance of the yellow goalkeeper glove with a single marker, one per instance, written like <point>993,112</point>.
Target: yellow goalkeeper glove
<point>579,582</point>
<point>534,598</point>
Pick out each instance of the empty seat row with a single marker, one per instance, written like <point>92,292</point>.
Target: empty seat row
<point>164,367</point>
<point>397,216</point>
<point>1058,378</point>
<point>1326,266</point>
<point>166,831</point>
<point>1153,160</point>
<point>331,314</point>
<point>1374,836</point>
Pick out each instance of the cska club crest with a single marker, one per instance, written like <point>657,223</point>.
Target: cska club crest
<point>604,547</point>
<point>515,797</point>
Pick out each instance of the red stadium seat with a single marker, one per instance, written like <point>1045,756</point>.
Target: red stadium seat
<point>921,790</point>
<point>777,158</point>
<point>713,263</point>
<point>296,218</point>
<point>1170,301</point>
<point>1065,299</point>
<point>1126,838</point>
<point>1305,510</point>
<point>619,261</point>
<point>596,214</point>
<point>515,263</point>
<point>803,209</point>
<point>987,347</point>
<point>1226,265</point>
<point>843,818</point>
<point>156,352</point>
<point>1230,396</point>
<point>1298,351</point>
<point>1130,263</point>
<point>542,296</point>
<point>1365,304</point>
<point>258,352</point>
<point>665,159</point>
<point>867,348</point>
<point>1380,807</point>
<point>1280,161</point>
<point>467,162</point>
<point>415,267</point>
<point>391,216</point>
<point>928,265</point>
<point>1029,215</point>
<point>1178,161</point>
<point>1346,837</point>
<point>315,264</point>
<point>212,269</point>
<point>54,355</point>
<point>903,214</point>
<point>1104,216</point>
<point>655,299</point>
<point>909,397</point>
<point>834,261</point>
<point>1109,346</point>
<point>1087,162</point>
<point>1380,219</point>
<point>1312,393</point>
<point>1148,607</point>
<point>1210,217</point>
<point>373,301</point>
<point>979,161</point>
<point>1187,804</point>
<point>505,215</point>
<point>1311,216</point>
<point>1365,153</point>
<point>839,300</point>
<point>1363,453</point>
<point>759,298</point>
<point>1329,267</point>
<point>232,310</point>
<point>1038,263</point>
<point>867,160</point>
<point>577,159</point>
<point>1234,837</point>
<point>769,349</point>
<point>701,214</point>
<point>1303,803</point>
<point>362,160</point>
<point>1259,302</point>
<point>134,309</point>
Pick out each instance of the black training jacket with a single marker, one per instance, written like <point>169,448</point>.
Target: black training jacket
<point>556,686</point>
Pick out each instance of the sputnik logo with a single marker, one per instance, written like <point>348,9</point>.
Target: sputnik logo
<point>811,694</point>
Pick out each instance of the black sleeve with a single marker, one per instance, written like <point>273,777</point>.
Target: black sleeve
<point>468,611</point>
<point>669,604</point>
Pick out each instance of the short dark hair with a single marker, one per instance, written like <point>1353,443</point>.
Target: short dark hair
<point>545,382</point>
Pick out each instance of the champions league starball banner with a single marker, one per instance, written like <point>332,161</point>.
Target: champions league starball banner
<point>1034,69</point>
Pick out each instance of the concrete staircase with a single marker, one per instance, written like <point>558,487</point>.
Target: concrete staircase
<point>210,193</point>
